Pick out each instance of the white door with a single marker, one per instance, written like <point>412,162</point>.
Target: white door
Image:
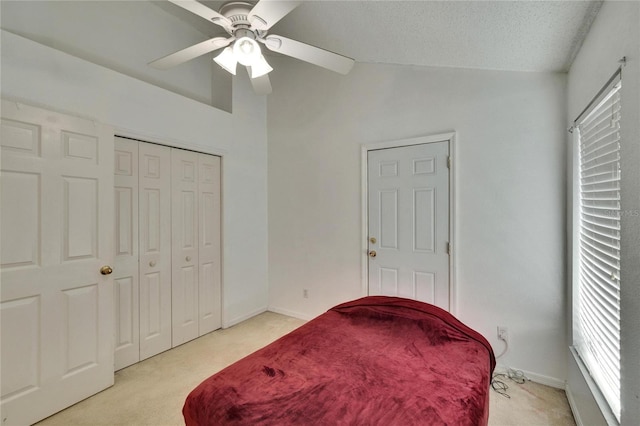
<point>125,276</point>
<point>155,248</point>
<point>408,215</point>
<point>209,289</point>
<point>184,216</point>
<point>57,233</point>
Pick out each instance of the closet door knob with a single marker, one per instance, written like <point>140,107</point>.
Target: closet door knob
<point>188,258</point>
<point>152,263</point>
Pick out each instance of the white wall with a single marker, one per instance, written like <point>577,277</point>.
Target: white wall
<point>120,35</point>
<point>510,201</point>
<point>615,33</point>
<point>245,201</point>
<point>42,76</point>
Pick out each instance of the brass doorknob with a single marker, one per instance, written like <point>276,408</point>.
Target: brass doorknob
<point>106,270</point>
<point>373,253</point>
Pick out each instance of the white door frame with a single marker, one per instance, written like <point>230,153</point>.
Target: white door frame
<point>364,252</point>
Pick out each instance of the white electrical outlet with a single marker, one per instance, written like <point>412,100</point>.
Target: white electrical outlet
<point>305,293</point>
<point>503,333</point>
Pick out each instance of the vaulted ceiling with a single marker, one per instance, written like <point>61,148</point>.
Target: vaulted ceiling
<point>500,35</point>
<point>515,35</point>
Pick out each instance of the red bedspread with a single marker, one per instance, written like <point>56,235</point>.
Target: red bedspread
<point>376,360</point>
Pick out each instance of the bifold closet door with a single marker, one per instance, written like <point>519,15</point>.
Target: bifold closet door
<point>210,256</point>
<point>196,265</point>
<point>155,249</point>
<point>143,250</point>
<point>185,270</point>
<point>125,271</point>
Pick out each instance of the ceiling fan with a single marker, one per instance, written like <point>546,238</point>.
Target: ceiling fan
<point>247,25</point>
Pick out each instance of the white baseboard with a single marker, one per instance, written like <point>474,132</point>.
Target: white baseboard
<point>546,380</point>
<point>238,320</point>
<point>290,313</point>
<point>538,378</point>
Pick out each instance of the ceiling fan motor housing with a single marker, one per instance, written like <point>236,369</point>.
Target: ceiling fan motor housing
<point>244,32</point>
<point>238,13</point>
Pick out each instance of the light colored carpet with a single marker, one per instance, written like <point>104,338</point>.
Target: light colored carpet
<point>152,392</point>
<point>530,404</point>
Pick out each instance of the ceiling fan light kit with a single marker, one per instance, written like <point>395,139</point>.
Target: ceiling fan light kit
<point>248,24</point>
<point>260,67</point>
<point>227,60</point>
<point>246,48</point>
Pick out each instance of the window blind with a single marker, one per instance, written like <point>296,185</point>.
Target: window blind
<point>598,316</point>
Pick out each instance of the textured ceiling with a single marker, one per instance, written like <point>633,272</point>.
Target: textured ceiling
<point>498,35</point>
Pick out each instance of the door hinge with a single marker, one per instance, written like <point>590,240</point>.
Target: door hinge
<point>448,248</point>
<point>448,162</point>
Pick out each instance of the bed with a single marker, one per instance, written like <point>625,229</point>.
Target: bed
<point>376,360</point>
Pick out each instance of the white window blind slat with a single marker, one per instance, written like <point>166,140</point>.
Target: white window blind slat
<point>609,124</point>
<point>595,112</point>
<point>596,328</point>
<point>607,372</point>
<point>611,206</point>
<point>613,160</point>
<point>609,119</point>
<point>595,174</point>
<point>598,197</point>
<point>603,136</point>
<point>610,359</point>
<point>598,239</point>
<point>612,252</point>
<point>609,347</point>
<point>600,224</point>
<point>609,299</point>
<point>609,260</point>
<point>609,146</point>
<point>595,278</point>
<point>601,168</point>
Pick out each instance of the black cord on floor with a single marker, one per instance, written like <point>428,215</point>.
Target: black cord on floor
<point>501,387</point>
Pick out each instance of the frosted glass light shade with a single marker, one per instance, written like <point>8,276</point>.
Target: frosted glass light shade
<point>227,60</point>
<point>247,51</point>
<point>260,67</point>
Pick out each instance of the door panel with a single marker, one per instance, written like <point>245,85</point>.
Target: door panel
<point>57,219</point>
<point>425,285</point>
<point>424,217</point>
<point>209,286</point>
<point>81,328</point>
<point>408,197</point>
<point>79,232</point>
<point>127,349</point>
<point>21,226</point>
<point>184,216</point>
<point>388,214</point>
<point>20,366</point>
<point>155,248</point>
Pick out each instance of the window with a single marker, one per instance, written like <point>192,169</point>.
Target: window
<point>597,287</point>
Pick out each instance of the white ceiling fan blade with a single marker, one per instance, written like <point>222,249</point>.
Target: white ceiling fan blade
<point>201,10</point>
<point>267,12</point>
<point>306,52</point>
<point>261,85</point>
<point>192,52</point>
